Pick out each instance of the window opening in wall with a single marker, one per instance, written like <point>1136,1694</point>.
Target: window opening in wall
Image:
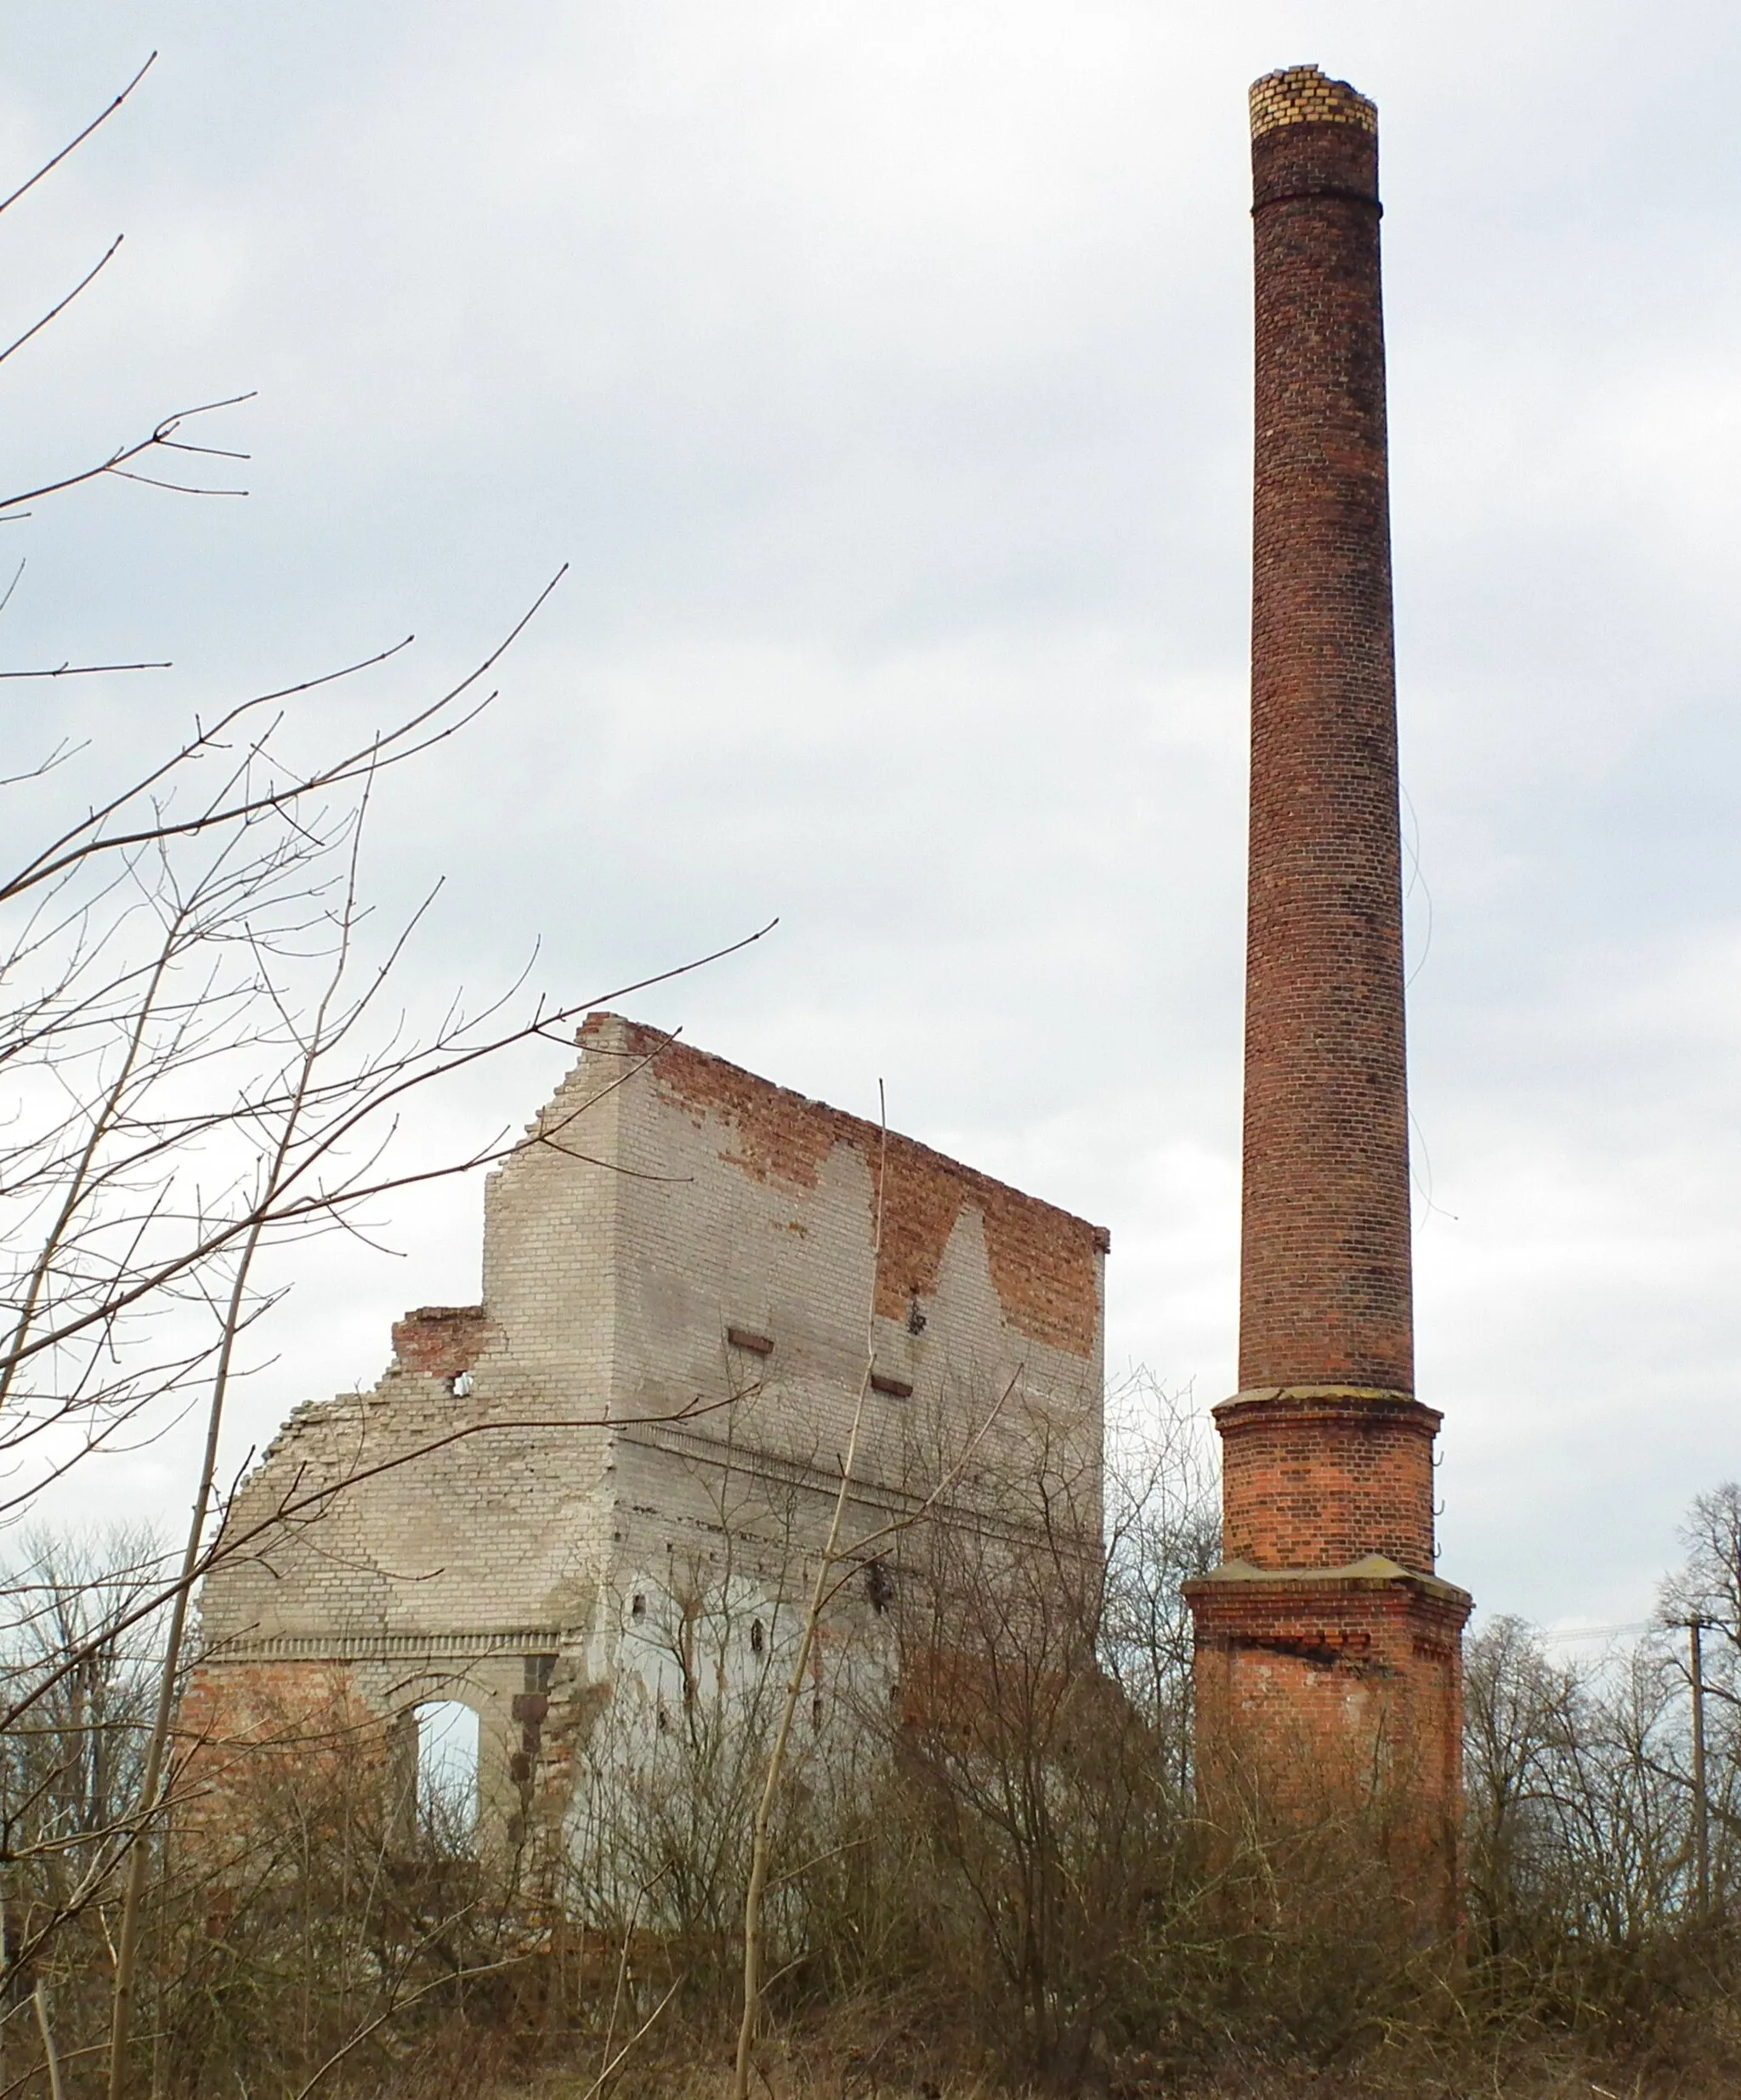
<point>759,1637</point>
<point>879,1586</point>
<point>447,1775</point>
<point>639,1609</point>
<point>461,1387</point>
<point>540,1669</point>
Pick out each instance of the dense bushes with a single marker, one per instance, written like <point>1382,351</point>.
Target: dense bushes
<point>996,1870</point>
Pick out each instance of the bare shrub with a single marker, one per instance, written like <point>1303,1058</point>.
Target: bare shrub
<point>1583,1916</point>
<point>307,1921</point>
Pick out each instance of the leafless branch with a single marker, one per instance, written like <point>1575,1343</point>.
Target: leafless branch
<point>78,138</point>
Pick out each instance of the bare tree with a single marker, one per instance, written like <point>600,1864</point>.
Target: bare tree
<point>1707,1586</point>
<point>1162,1526</point>
<point>203,1065</point>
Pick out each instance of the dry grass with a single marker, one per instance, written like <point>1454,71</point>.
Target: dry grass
<point>888,2052</point>
<point>809,2073</point>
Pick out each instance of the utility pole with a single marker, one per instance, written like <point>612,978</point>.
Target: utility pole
<point>1701,1810</point>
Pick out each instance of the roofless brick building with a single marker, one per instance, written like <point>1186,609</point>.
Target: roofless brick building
<point>1329,1659</point>
<point>622,1461</point>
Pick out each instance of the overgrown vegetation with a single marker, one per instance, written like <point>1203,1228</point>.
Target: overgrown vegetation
<point>995,1878</point>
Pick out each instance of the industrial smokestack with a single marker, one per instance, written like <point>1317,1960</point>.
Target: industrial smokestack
<point>1325,1632</point>
<point>1324,1287</point>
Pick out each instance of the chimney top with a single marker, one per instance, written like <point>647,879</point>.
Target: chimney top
<point>1300,94</point>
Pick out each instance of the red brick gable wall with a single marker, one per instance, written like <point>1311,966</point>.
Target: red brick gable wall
<point>1043,1261</point>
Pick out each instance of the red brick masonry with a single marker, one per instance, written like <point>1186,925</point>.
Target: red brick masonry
<point>441,1341</point>
<point>1044,1263</point>
<point>1324,1294</point>
<point>1318,1479</point>
<point>1328,1653</point>
<point>1337,1691</point>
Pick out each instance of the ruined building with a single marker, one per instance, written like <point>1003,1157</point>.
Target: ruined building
<point>1328,1649</point>
<point>644,1417</point>
<point>649,1406</point>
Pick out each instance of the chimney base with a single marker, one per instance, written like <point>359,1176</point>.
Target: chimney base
<point>1334,1696</point>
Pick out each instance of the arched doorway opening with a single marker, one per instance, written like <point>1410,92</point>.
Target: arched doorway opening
<point>447,1775</point>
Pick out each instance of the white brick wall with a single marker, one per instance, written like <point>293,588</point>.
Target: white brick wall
<point>659,1202</point>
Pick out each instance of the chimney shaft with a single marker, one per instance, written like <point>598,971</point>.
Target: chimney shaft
<point>1325,1294</point>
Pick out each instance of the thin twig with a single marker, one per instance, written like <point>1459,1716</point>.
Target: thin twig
<point>41,2004</point>
<point>79,138</point>
<point>622,2055</point>
<point>622,1966</point>
<point>398,2005</point>
<point>61,305</point>
<point>83,669</point>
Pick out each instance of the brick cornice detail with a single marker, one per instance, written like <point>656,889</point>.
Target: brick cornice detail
<point>1325,1404</point>
<point>1242,1588</point>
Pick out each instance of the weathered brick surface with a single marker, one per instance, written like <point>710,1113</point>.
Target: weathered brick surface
<point>440,1341</point>
<point>1300,94</point>
<point>1044,1263</point>
<point>1316,1480</point>
<point>1336,1694</point>
<point>482,1538</point>
<point>1328,1658</point>
<point>245,1734</point>
<point>1326,1269</point>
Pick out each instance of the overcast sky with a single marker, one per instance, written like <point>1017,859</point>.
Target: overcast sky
<point>883,373</point>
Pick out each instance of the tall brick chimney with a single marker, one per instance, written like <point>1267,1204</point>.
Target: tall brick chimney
<point>1329,1659</point>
